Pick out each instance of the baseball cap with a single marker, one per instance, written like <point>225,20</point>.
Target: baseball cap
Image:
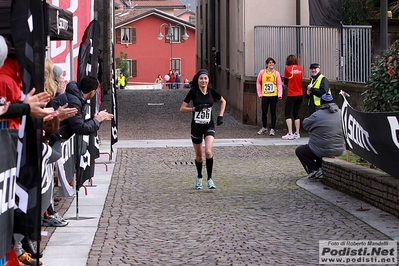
<point>314,65</point>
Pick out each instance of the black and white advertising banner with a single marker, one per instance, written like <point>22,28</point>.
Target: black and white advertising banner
<point>373,136</point>
<point>8,171</point>
<point>88,147</point>
<point>114,103</point>
<point>27,30</point>
<point>66,166</point>
<point>47,177</point>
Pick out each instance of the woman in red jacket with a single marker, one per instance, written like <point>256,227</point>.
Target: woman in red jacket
<point>293,81</point>
<point>172,79</point>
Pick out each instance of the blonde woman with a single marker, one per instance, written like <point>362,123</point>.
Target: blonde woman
<point>49,85</point>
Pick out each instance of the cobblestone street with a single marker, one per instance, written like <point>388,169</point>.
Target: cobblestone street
<point>258,215</point>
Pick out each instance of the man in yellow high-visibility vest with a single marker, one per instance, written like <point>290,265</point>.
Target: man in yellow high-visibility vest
<point>318,86</point>
<point>121,81</point>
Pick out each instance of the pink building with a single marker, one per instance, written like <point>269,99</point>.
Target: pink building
<point>136,34</point>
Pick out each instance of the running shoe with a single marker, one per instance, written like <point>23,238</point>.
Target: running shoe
<point>60,218</point>
<point>27,245</point>
<point>198,183</point>
<point>288,136</point>
<point>297,136</point>
<point>262,131</point>
<point>319,174</point>
<point>316,174</point>
<point>26,259</point>
<point>271,133</point>
<point>311,174</point>
<point>211,184</point>
<point>53,221</point>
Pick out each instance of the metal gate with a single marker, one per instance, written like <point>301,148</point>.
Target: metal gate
<point>344,53</point>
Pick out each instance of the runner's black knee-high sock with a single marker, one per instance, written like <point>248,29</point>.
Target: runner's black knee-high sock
<point>209,166</point>
<point>199,168</point>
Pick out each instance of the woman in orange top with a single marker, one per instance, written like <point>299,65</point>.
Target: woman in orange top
<point>269,88</point>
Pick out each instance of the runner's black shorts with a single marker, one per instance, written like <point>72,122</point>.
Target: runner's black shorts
<point>200,131</point>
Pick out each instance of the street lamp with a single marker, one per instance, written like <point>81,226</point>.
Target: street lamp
<point>171,36</point>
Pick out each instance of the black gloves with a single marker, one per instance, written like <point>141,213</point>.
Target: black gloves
<point>200,107</point>
<point>219,121</point>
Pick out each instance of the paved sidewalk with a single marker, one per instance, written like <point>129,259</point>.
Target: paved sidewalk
<point>144,210</point>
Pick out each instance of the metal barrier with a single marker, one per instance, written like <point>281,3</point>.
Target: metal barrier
<point>344,53</point>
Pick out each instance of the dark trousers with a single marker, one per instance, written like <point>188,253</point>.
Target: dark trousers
<point>310,161</point>
<point>265,106</point>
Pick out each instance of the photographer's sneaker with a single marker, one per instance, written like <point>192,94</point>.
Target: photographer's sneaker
<point>262,131</point>
<point>319,174</point>
<point>316,174</point>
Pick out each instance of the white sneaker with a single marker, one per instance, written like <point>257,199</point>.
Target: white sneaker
<point>288,136</point>
<point>51,220</point>
<point>271,133</point>
<point>297,136</point>
<point>262,131</point>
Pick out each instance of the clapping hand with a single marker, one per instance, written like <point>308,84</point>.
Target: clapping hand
<point>103,115</point>
<point>41,98</point>
<point>4,108</point>
<point>64,112</point>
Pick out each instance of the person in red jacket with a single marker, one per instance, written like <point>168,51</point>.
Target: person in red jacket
<point>293,82</point>
<point>172,79</point>
<point>11,83</point>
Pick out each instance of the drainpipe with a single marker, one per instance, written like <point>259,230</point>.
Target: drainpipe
<point>212,42</point>
<point>298,29</point>
<point>298,12</point>
<point>383,26</point>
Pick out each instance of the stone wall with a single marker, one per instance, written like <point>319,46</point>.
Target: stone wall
<point>369,185</point>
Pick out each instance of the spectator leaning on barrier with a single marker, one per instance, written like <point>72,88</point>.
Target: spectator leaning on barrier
<point>326,137</point>
<point>58,75</point>
<point>172,79</point>
<point>11,82</point>
<point>186,84</point>
<point>33,103</point>
<point>318,86</point>
<point>76,95</point>
<point>177,80</point>
<point>159,79</point>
